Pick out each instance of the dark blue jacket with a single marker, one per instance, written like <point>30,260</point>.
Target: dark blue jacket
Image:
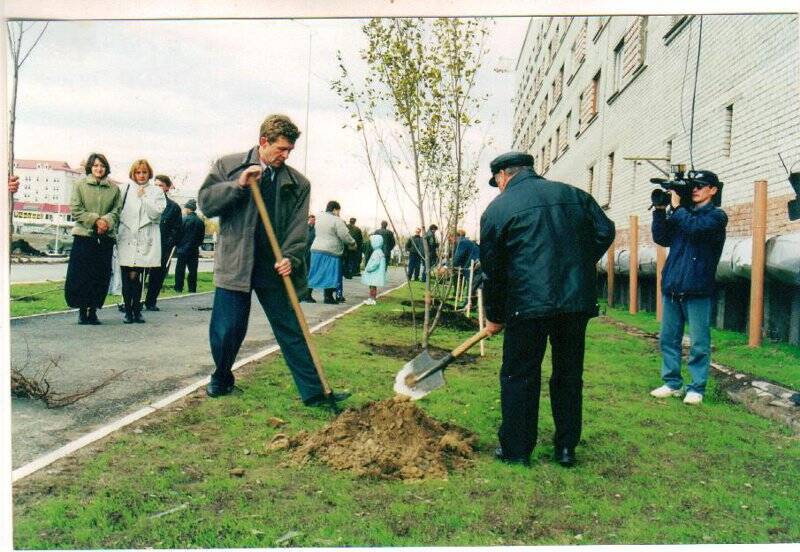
<point>466,251</point>
<point>540,241</point>
<point>193,231</point>
<point>695,239</point>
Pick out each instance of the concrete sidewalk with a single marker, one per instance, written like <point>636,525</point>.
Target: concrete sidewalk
<point>167,353</point>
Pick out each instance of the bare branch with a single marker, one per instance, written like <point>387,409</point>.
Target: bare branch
<point>35,42</point>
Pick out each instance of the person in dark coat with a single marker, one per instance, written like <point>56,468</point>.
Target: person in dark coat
<point>388,240</point>
<point>193,231</point>
<point>312,233</point>
<point>171,223</point>
<point>540,241</point>
<point>466,251</point>
<point>433,249</point>
<point>694,231</point>
<point>415,251</point>
<point>353,256</point>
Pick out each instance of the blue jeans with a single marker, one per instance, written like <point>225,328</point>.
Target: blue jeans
<point>228,328</point>
<point>677,312</point>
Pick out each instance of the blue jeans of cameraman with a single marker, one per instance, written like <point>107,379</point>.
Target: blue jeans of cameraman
<point>679,310</point>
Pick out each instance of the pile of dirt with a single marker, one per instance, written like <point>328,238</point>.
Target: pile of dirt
<point>391,439</point>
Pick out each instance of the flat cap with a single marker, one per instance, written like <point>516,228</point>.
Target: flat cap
<point>509,159</point>
<point>191,204</point>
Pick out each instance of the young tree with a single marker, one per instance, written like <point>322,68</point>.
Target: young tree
<point>16,31</point>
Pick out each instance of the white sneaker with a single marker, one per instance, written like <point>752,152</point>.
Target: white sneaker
<point>693,397</point>
<point>370,301</point>
<point>666,391</point>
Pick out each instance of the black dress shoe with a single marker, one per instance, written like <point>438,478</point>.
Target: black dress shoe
<point>218,389</point>
<point>128,318</point>
<point>330,301</point>
<point>151,308</point>
<point>137,317</point>
<point>521,460</point>
<point>322,400</point>
<point>83,318</point>
<point>91,317</point>
<point>565,456</point>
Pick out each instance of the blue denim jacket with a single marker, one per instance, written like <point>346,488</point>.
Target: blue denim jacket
<point>695,239</point>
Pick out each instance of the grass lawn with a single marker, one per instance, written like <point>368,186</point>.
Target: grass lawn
<point>27,299</point>
<point>650,471</point>
<point>779,362</point>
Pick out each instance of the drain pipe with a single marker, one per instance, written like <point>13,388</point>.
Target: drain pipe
<point>610,273</point>
<point>633,297</point>
<point>661,254</point>
<point>759,263</point>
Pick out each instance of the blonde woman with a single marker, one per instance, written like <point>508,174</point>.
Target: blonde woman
<point>95,205</point>
<point>139,235</point>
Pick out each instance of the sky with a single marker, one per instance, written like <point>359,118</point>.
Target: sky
<point>182,93</point>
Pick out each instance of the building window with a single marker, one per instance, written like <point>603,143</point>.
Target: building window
<point>579,47</point>
<point>676,25</point>
<point>588,102</point>
<point>557,143</point>
<point>634,50</point>
<point>617,75</point>
<point>590,181</point>
<point>726,138</point>
<point>609,181</point>
<point>669,152</point>
<point>559,84</point>
<point>567,127</point>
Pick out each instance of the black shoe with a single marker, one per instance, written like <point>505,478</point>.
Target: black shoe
<point>83,317</point>
<point>565,456</point>
<point>308,299</point>
<point>341,299</point>
<point>521,460</point>
<point>128,317</point>
<point>330,301</point>
<point>91,317</point>
<point>218,389</point>
<point>322,400</point>
<point>120,307</point>
<point>151,308</point>
<point>137,317</point>
<point>795,399</point>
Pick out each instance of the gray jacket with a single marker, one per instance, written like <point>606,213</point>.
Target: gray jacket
<point>331,235</point>
<point>220,196</point>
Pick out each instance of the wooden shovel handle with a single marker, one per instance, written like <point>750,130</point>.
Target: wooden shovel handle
<point>458,351</point>
<point>287,281</point>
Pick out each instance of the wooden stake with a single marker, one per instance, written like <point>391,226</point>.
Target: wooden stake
<point>481,318</point>
<point>759,262</point>
<point>633,248</point>
<point>469,288</point>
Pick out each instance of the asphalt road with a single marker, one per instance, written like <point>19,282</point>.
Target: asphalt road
<point>39,272</point>
<point>167,353</point>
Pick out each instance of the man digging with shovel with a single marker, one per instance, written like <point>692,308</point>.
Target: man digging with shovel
<point>262,204</point>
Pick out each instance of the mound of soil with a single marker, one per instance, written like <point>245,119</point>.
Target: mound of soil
<point>391,439</point>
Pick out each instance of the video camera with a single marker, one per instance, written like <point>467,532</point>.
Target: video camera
<point>681,185</point>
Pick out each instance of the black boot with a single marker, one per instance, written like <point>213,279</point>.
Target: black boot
<point>329,300</point>
<point>137,313</point>
<point>128,315</point>
<point>82,317</point>
<point>91,316</point>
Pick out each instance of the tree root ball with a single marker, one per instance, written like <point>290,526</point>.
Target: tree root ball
<point>391,439</point>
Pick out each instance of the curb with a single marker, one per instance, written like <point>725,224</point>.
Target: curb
<point>47,459</point>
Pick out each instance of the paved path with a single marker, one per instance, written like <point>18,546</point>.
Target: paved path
<point>38,272</point>
<point>165,354</point>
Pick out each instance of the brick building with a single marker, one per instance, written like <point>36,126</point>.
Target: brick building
<point>604,102</point>
<point>595,91</point>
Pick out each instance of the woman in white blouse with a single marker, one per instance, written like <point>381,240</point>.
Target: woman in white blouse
<point>139,235</point>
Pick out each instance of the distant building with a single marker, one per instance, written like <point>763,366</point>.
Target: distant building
<point>594,92</point>
<point>42,203</point>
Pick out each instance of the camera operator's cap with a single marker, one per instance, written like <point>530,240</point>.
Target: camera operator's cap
<point>706,178</point>
<point>506,160</point>
<point>191,204</point>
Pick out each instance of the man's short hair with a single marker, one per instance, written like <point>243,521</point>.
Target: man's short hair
<point>352,220</point>
<point>462,232</point>
<point>165,179</point>
<point>332,206</point>
<point>141,163</point>
<point>512,171</point>
<point>384,224</point>
<point>433,227</point>
<point>277,125</point>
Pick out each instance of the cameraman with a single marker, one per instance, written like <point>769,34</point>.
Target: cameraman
<point>694,230</point>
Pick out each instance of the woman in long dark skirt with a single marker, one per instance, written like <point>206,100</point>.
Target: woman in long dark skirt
<point>96,204</point>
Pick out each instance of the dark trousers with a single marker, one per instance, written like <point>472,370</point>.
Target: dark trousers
<point>186,261</point>
<point>132,288</point>
<point>155,279</point>
<point>229,318</point>
<point>520,381</point>
<point>355,262</point>
<point>414,262</point>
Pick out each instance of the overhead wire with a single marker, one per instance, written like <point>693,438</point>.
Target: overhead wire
<point>694,94</point>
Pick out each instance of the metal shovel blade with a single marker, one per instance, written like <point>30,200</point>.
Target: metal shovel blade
<point>416,366</point>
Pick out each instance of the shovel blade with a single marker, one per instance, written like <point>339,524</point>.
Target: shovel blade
<point>416,366</point>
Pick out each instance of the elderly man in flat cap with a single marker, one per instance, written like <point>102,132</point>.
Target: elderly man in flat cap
<point>540,241</point>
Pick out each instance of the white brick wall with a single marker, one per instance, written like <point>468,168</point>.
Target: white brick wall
<point>751,61</point>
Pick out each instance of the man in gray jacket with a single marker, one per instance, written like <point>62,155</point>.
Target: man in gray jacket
<point>244,260</point>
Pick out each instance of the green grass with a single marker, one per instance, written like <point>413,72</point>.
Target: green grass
<point>650,471</point>
<point>27,299</point>
<point>779,362</point>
